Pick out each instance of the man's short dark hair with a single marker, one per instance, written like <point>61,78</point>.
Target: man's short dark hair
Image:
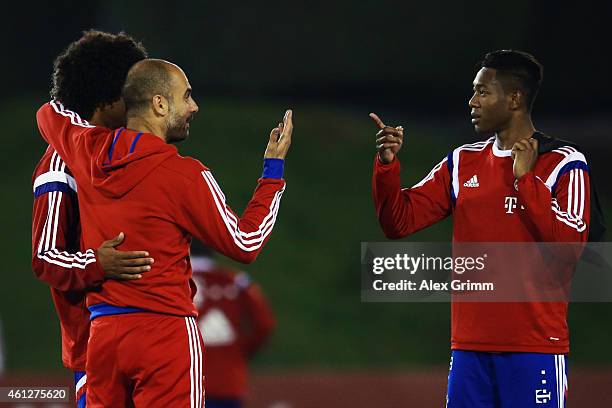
<point>147,79</point>
<point>90,72</point>
<point>516,70</point>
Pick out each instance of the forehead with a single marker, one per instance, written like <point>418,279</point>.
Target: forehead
<point>486,77</point>
<point>179,79</point>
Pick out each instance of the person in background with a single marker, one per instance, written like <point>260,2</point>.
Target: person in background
<point>235,320</point>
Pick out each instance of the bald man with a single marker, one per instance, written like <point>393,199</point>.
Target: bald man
<point>145,348</point>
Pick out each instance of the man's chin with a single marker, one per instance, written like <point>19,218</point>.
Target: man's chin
<point>177,138</point>
<point>481,130</point>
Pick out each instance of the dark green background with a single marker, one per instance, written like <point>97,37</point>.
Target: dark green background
<point>331,63</point>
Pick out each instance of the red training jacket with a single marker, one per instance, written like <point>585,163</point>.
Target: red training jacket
<point>56,256</point>
<point>476,185</point>
<point>136,183</point>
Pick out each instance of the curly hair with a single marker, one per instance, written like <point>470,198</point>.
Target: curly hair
<point>90,72</point>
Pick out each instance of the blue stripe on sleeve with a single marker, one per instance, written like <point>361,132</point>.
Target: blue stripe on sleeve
<point>273,168</point>
<point>52,186</point>
<point>576,164</point>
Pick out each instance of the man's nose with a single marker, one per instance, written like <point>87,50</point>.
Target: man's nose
<point>472,102</point>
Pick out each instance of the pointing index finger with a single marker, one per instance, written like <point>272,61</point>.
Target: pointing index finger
<point>377,120</point>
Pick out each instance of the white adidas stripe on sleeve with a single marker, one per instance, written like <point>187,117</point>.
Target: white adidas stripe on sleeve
<point>247,241</point>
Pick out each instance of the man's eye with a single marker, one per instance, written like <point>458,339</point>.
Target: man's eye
<point>482,92</point>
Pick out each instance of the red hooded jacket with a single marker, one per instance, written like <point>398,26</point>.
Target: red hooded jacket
<point>136,183</point>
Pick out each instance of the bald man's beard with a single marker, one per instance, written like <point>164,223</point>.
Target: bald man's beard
<point>176,127</point>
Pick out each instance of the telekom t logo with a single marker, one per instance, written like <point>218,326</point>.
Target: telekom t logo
<point>510,204</point>
<point>543,396</point>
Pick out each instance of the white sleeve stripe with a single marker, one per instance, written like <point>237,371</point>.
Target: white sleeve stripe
<point>51,165</point>
<point>566,214</point>
<point>238,240</point>
<point>87,254</point>
<point>431,173</point>
<point>44,230</point>
<point>232,218</point>
<point>570,191</point>
<point>576,196</point>
<point>65,256</point>
<point>582,194</point>
<point>44,257</point>
<point>70,258</point>
<point>47,245</point>
<point>50,218</point>
<point>233,228</point>
<point>563,218</point>
<point>75,119</point>
<point>568,219</point>
<point>56,220</point>
<point>576,227</point>
<point>55,176</point>
<point>576,192</point>
<point>554,175</point>
<point>563,152</point>
<point>218,189</point>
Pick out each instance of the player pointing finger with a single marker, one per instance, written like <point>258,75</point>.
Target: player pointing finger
<point>389,139</point>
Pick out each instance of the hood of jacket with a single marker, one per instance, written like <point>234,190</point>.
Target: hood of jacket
<point>125,158</point>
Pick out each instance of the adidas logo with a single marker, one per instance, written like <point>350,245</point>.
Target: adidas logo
<point>473,182</point>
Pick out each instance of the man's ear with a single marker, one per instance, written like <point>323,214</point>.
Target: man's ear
<point>160,104</point>
<point>516,100</point>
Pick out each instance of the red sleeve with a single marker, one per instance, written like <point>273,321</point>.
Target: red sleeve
<point>206,215</point>
<point>260,319</point>
<point>560,215</point>
<point>71,136</point>
<point>402,212</point>
<point>56,235</point>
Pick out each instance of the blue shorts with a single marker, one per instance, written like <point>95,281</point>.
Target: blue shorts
<point>222,403</point>
<point>506,380</point>
<point>80,387</point>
